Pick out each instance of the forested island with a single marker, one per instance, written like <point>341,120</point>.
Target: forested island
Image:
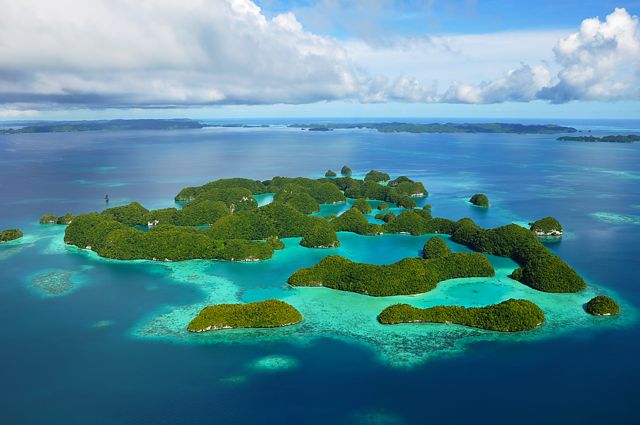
<point>508,316</point>
<point>104,125</point>
<point>547,226</point>
<point>9,235</point>
<point>402,127</point>
<point>221,220</point>
<point>629,138</point>
<point>262,314</point>
<point>406,277</point>
<point>480,200</point>
<point>602,306</point>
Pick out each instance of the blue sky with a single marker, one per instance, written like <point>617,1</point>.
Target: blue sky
<point>321,58</point>
<point>445,17</point>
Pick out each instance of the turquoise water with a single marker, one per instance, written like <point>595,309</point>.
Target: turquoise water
<point>102,341</point>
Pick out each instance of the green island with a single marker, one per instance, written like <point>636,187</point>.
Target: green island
<point>619,138</point>
<point>330,173</point>
<point>401,127</point>
<point>602,306</point>
<point>362,205</point>
<point>262,314</point>
<point>480,200</point>
<point>221,220</point>
<point>9,235</point>
<point>52,219</point>
<point>377,176</point>
<point>508,316</point>
<point>105,125</point>
<point>345,171</point>
<point>547,226</point>
<point>406,277</point>
<point>435,248</point>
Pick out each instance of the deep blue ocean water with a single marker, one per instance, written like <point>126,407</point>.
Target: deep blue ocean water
<point>89,356</point>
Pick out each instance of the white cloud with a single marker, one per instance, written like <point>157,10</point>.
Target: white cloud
<point>177,53</point>
<point>599,62</point>
<point>163,52</point>
<point>17,113</point>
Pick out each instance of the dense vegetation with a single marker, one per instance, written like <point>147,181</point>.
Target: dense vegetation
<point>400,195</point>
<point>540,269</point>
<point>508,316</point>
<point>386,217</point>
<point>221,220</point>
<point>10,235</point>
<point>263,314</point>
<point>362,205</point>
<point>113,239</point>
<point>320,235</point>
<point>547,226</point>
<point>354,221</point>
<point>345,171</point>
<point>52,219</point>
<point>383,206</point>
<point>330,173</point>
<point>140,124</point>
<point>602,306</point>
<point>407,276</point>
<point>435,247</point>
<point>480,200</point>
<point>376,176</point>
<point>628,138</point>
<point>399,127</point>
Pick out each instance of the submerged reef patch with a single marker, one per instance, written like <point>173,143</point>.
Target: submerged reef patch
<point>614,218</point>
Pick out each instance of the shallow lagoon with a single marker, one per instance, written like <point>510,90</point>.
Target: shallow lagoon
<point>339,366</point>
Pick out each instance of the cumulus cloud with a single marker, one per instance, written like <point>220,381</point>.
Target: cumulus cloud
<point>180,53</point>
<point>162,53</point>
<point>518,85</point>
<point>599,62</point>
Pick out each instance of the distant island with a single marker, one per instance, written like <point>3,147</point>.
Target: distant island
<point>630,138</point>
<point>383,127</point>
<point>401,127</point>
<point>105,125</point>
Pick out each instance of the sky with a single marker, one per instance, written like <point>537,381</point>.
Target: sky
<point>234,59</point>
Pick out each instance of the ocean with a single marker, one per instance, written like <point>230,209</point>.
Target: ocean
<point>92,341</point>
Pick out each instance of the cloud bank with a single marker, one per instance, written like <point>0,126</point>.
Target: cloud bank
<point>181,53</point>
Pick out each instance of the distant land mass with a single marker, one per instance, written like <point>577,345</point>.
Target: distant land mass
<point>183,123</point>
<point>630,138</point>
<point>400,127</point>
<point>73,126</point>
